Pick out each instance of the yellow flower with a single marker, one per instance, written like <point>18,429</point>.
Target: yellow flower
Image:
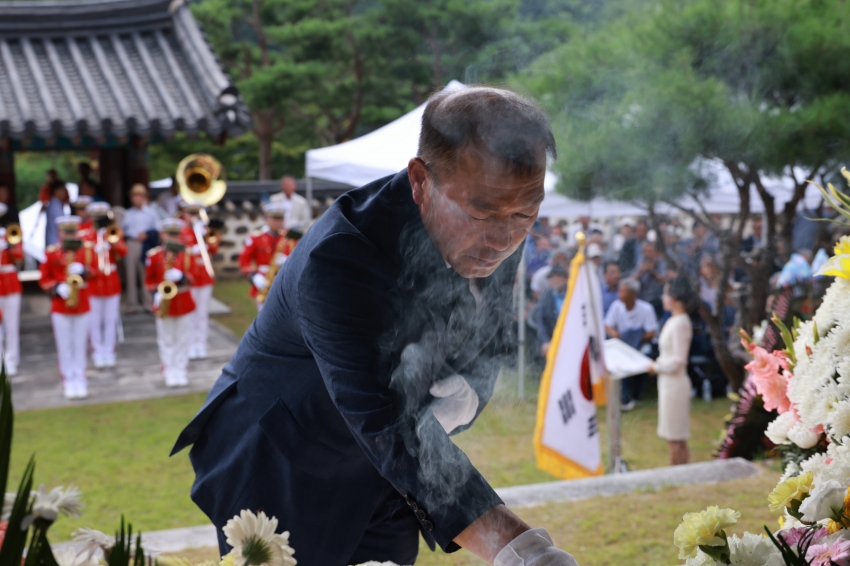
<point>228,560</point>
<point>788,491</point>
<point>703,529</point>
<point>839,264</point>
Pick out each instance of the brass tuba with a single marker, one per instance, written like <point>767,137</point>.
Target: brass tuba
<point>198,179</point>
<point>168,289</point>
<point>114,233</point>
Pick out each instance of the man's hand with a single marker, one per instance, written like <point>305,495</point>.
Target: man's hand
<point>157,299</point>
<point>141,237</point>
<point>280,259</point>
<point>259,281</point>
<point>544,348</point>
<point>533,548</point>
<point>456,402</point>
<point>491,532</point>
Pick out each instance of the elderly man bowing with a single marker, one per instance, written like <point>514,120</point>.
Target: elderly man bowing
<point>383,334</point>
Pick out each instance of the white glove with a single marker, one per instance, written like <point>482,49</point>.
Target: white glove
<point>3,244</point>
<point>456,402</point>
<point>195,250</point>
<point>533,548</point>
<point>63,290</point>
<point>280,259</point>
<point>200,226</point>
<point>259,281</point>
<point>102,247</point>
<point>76,268</point>
<point>157,299</point>
<point>174,275</point>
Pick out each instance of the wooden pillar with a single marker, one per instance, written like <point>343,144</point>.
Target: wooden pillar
<point>113,175</point>
<point>138,163</point>
<point>7,169</point>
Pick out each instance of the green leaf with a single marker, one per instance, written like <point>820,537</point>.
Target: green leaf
<point>786,338</point>
<point>40,553</point>
<point>7,421</point>
<point>15,540</point>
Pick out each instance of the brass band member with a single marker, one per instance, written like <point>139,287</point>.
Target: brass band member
<point>168,276</point>
<point>105,287</point>
<point>262,249</point>
<point>64,272</point>
<point>11,252</point>
<point>202,280</point>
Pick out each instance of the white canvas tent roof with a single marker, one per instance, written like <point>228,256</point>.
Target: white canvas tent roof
<point>388,149</point>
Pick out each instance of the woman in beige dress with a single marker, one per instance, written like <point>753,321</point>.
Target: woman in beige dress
<point>674,386</point>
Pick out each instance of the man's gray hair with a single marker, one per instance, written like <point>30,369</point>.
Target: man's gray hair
<point>498,122</point>
<point>632,284</point>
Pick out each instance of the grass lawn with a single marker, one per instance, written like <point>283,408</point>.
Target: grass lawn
<point>234,293</point>
<point>118,455</point>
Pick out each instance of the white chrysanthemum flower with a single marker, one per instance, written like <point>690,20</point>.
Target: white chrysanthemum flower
<point>49,505</point>
<point>803,436</point>
<point>254,540</point>
<point>835,306</point>
<point>777,430</point>
<point>839,419</point>
<point>753,550</point>
<point>69,557</point>
<point>375,563</point>
<point>93,541</point>
<point>791,470</point>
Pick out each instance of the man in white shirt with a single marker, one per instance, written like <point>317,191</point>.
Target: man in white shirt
<point>139,220</point>
<point>585,225</point>
<point>634,322</point>
<point>299,215</point>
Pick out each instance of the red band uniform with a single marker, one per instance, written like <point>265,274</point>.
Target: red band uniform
<point>10,299</point>
<point>174,325</point>
<point>105,286</point>
<point>262,249</point>
<point>70,321</point>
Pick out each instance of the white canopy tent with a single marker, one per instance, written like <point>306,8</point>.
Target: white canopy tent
<point>388,149</point>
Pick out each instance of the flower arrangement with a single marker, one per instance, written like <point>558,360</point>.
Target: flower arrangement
<point>808,385</point>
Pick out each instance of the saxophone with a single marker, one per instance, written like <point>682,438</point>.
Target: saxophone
<point>167,289</point>
<point>274,267</point>
<point>75,282</point>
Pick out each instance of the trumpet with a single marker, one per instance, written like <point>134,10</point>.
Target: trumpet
<point>14,234</point>
<point>168,289</point>
<point>213,236</point>
<point>114,233</point>
<point>75,282</point>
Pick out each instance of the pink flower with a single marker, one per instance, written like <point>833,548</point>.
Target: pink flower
<point>792,536</point>
<point>770,382</point>
<point>837,553</point>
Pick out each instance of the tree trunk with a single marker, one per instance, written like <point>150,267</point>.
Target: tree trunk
<point>265,136</point>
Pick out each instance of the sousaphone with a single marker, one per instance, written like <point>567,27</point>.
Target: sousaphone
<point>199,180</point>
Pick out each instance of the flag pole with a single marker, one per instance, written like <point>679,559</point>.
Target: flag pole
<point>612,404</point>
<point>521,326</point>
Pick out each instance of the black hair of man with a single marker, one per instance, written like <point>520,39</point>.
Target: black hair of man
<point>609,263</point>
<point>498,122</point>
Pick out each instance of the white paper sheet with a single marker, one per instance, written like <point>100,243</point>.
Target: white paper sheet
<point>624,361</point>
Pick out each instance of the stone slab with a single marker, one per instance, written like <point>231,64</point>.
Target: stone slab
<point>656,478</point>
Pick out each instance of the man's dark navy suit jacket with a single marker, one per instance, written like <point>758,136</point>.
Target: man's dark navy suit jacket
<point>334,375</point>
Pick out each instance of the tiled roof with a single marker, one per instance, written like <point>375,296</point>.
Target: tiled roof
<point>111,67</point>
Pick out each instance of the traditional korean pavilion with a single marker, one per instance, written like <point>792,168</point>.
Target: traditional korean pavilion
<point>111,76</point>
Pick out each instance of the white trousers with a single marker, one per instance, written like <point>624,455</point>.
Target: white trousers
<point>10,305</point>
<point>202,296</point>
<point>70,332</point>
<point>172,337</point>
<point>103,327</point>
